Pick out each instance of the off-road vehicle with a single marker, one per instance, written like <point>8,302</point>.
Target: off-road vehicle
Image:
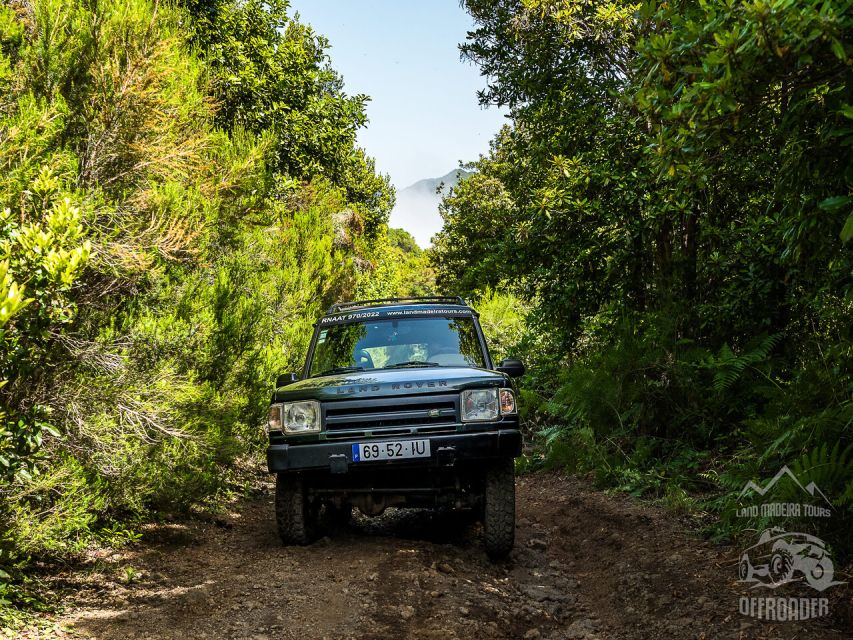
<point>399,405</point>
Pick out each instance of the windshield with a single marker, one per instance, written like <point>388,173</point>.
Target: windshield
<point>385,344</point>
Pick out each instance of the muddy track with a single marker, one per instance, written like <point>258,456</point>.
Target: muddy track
<point>586,565</point>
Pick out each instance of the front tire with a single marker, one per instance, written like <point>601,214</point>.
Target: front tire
<point>745,570</point>
<point>499,509</point>
<point>781,566</point>
<point>295,517</point>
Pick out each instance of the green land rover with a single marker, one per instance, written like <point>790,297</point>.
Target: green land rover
<point>399,405</point>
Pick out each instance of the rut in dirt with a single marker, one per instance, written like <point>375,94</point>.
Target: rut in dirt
<point>586,566</point>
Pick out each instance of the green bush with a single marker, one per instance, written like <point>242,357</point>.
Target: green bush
<point>168,236</point>
<point>502,316</point>
<point>672,196</point>
<point>693,427</point>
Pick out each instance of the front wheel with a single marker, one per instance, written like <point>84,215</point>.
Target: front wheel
<point>295,517</point>
<point>781,566</point>
<point>745,570</point>
<point>499,509</point>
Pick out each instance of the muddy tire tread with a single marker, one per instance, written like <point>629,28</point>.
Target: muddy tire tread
<point>292,513</point>
<point>499,509</point>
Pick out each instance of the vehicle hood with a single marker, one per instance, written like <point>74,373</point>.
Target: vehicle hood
<point>391,382</point>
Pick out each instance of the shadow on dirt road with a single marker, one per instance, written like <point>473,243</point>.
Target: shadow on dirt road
<point>586,566</point>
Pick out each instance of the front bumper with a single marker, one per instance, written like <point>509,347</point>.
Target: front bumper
<point>446,450</point>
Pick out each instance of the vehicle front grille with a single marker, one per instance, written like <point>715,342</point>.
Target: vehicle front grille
<point>406,414</point>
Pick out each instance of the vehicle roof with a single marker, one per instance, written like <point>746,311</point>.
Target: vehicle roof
<point>397,308</point>
<point>408,301</point>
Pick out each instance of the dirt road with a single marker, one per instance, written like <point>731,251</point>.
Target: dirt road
<point>586,565</point>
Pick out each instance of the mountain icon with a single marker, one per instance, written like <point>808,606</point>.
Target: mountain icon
<point>811,489</point>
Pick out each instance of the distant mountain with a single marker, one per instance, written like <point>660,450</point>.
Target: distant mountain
<point>429,185</point>
<point>417,206</point>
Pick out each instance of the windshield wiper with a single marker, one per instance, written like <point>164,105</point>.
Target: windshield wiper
<point>338,370</point>
<point>412,363</point>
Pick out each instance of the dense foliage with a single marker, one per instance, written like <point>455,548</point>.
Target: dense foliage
<point>181,194</point>
<point>401,268</point>
<point>674,199</point>
<point>663,233</point>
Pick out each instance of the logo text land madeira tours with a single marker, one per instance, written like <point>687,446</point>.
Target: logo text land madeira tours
<point>781,557</point>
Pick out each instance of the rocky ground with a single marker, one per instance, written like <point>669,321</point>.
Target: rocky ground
<point>586,566</point>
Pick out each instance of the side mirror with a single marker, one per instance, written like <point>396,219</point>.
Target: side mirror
<point>512,367</point>
<point>285,379</point>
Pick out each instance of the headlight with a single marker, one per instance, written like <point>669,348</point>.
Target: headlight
<point>301,417</point>
<point>274,420</point>
<point>479,405</point>
<point>507,402</point>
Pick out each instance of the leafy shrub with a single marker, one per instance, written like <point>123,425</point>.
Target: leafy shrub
<point>163,254</point>
<point>502,316</point>
<point>42,245</point>
<point>672,198</point>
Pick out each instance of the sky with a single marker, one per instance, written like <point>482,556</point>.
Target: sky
<point>424,115</point>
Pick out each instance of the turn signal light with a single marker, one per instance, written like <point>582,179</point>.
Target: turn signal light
<point>507,402</point>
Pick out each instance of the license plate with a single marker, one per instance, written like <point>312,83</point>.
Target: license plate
<point>396,450</point>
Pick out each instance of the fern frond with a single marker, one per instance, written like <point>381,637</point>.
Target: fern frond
<point>729,366</point>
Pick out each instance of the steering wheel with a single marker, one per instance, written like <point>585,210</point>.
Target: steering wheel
<point>363,359</point>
